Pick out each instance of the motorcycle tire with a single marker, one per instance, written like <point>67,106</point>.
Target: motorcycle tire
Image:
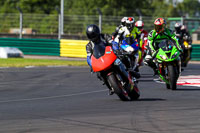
<point>116,85</point>
<point>133,94</point>
<point>168,86</point>
<point>172,76</point>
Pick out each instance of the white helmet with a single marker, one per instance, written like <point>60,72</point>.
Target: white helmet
<point>139,24</point>
<point>130,23</point>
<point>177,25</point>
<point>123,21</point>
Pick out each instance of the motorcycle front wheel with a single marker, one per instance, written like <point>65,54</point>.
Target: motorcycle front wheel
<point>134,93</point>
<point>167,86</point>
<point>118,88</point>
<point>172,74</point>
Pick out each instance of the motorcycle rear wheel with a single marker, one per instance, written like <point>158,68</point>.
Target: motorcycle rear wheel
<point>116,85</point>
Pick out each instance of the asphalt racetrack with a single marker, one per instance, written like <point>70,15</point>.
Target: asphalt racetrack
<point>71,100</point>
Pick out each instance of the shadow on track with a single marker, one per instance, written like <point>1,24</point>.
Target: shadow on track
<point>187,89</point>
<point>151,99</point>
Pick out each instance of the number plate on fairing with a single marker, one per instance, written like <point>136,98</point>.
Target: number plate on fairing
<point>117,61</point>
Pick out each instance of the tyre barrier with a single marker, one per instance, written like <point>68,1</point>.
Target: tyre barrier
<point>73,48</point>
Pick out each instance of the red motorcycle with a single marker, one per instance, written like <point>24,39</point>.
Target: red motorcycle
<point>105,62</point>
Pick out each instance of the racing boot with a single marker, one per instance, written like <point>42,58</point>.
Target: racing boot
<point>151,64</point>
<point>111,92</point>
<point>134,74</point>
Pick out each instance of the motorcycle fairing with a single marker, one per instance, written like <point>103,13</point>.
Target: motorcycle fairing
<point>104,61</point>
<point>125,46</point>
<point>167,52</point>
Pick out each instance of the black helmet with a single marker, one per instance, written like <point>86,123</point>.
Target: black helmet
<point>177,27</point>
<point>93,32</point>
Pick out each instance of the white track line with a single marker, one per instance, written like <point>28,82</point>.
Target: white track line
<point>51,97</point>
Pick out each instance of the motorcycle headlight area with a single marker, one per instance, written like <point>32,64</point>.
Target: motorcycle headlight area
<point>117,61</point>
<point>129,49</point>
<point>163,57</point>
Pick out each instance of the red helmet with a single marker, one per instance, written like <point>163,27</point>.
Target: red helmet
<point>139,24</point>
<point>159,25</point>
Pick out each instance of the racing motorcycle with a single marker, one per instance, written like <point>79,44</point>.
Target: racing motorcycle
<point>187,49</point>
<point>142,50</point>
<point>186,56</point>
<point>129,56</point>
<point>168,63</point>
<point>105,62</point>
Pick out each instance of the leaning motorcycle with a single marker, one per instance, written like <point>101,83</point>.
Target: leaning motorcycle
<point>168,63</point>
<point>105,62</point>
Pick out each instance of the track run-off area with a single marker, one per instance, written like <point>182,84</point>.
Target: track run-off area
<point>72,100</point>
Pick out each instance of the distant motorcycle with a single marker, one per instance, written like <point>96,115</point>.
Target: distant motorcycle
<point>168,63</point>
<point>186,56</point>
<point>128,51</point>
<point>105,62</point>
<point>142,50</point>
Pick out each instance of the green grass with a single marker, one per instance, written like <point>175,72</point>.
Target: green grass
<point>21,62</point>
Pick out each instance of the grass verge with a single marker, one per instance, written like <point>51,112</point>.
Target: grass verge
<point>21,62</point>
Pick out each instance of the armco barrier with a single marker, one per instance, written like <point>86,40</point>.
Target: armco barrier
<point>73,48</point>
<point>33,46</point>
<point>63,47</point>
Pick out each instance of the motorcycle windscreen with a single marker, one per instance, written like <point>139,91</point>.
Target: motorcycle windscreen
<point>166,45</point>
<point>99,50</point>
<point>104,61</point>
<point>168,50</point>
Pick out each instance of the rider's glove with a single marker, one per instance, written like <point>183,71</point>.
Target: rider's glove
<point>181,51</point>
<point>154,52</point>
<point>91,70</point>
<point>113,38</point>
<point>115,46</point>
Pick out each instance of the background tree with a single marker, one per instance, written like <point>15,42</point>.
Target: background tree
<point>189,7</point>
<point>164,8</point>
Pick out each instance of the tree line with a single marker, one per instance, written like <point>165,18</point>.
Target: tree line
<point>164,8</point>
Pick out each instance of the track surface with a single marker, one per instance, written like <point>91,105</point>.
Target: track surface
<point>71,100</point>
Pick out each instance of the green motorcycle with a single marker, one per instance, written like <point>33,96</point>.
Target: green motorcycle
<point>168,63</point>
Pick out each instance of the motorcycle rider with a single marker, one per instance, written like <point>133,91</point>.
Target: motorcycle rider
<point>136,33</point>
<point>123,22</point>
<point>154,38</point>
<point>124,33</point>
<point>134,30</point>
<point>186,34</point>
<point>95,37</point>
<point>182,34</point>
<point>143,39</point>
<point>144,34</point>
<point>128,30</point>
